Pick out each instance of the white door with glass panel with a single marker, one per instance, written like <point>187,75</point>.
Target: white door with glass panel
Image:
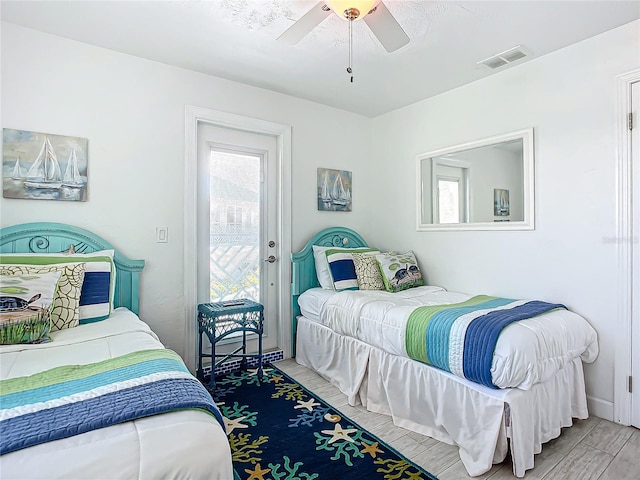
<point>237,243</point>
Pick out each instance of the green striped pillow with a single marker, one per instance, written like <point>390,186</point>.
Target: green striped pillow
<point>98,289</point>
<point>342,269</point>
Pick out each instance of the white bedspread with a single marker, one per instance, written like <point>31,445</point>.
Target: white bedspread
<point>528,352</point>
<point>183,444</point>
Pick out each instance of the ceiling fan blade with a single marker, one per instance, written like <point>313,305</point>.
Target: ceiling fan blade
<point>305,24</point>
<point>386,28</point>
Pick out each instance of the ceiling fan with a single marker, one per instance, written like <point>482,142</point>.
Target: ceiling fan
<point>374,13</point>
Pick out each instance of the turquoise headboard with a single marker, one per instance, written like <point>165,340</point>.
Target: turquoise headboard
<point>303,268</point>
<point>49,237</point>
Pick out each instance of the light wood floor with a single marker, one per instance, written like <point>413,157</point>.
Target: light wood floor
<point>592,449</point>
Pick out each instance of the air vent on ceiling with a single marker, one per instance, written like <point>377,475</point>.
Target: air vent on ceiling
<point>505,58</point>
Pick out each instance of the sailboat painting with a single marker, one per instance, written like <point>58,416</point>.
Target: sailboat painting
<point>334,190</point>
<point>501,202</point>
<point>43,166</point>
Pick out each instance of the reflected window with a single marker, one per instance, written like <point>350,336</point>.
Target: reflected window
<point>450,191</point>
<point>448,201</point>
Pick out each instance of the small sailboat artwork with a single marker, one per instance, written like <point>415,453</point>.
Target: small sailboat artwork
<point>72,177</point>
<point>500,202</point>
<point>44,173</point>
<point>334,190</point>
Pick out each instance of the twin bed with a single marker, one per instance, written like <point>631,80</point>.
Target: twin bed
<point>174,435</point>
<point>356,339</point>
<point>516,395</point>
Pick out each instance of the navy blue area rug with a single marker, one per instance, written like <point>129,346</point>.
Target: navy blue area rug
<point>279,430</point>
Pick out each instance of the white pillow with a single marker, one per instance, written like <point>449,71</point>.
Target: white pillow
<point>322,265</point>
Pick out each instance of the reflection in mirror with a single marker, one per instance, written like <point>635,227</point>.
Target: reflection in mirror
<point>481,185</point>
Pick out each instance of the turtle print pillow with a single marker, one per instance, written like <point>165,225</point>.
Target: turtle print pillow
<point>399,271</point>
<point>25,307</point>
<point>367,271</point>
<point>65,312</point>
<point>98,288</point>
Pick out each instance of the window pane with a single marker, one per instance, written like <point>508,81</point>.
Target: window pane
<point>234,237</point>
<point>448,201</point>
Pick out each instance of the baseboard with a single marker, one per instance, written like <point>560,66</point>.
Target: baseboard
<point>272,356</point>
<point>600,408</point>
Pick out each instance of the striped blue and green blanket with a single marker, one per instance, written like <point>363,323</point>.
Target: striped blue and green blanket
<point>461,338</point>
<point>75,399</point>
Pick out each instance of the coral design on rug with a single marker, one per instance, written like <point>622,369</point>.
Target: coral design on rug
<point>279,430</point>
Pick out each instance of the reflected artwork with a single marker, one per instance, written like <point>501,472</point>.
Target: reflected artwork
<point>43,166</point>
<point>500,202</point>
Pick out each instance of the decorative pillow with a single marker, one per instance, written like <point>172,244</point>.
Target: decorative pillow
<point>367,271</point>
<point>25,305</point>
<point>342,269</point>
<point>98,289</point>
<point>65,308</point>
<point>322,267</point>
<point>399,271</point>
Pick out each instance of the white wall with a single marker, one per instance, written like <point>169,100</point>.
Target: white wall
<point>132,111</point>
<point>569,97</point>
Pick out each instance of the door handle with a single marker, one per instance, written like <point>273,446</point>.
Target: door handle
<point>270,259</point>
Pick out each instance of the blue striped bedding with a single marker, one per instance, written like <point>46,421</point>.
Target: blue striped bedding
<point>461,338</point>
<point>75,399</point>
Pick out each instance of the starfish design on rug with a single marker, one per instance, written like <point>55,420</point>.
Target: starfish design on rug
<point>371,449</point>
<point>338,433</point>
<point>231,425</point>
<point>309,404</point>
<point>277,378</point>
<point>257,473</point>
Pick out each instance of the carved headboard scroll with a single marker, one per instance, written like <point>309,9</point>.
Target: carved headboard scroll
<point>49,237</point>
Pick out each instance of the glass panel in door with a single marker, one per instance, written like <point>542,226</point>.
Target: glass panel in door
<point>234,237</point>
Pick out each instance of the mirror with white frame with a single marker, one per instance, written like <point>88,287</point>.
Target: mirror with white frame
<point>481,185</point>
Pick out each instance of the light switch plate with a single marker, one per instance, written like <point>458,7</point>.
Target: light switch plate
<point>162,234</point>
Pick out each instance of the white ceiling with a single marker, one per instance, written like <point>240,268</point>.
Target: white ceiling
<point>236,39</point>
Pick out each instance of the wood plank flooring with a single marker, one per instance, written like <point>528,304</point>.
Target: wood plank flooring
<point>592,449</point>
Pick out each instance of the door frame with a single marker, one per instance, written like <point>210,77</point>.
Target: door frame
<point>194,116</point>
<point>624,228</point>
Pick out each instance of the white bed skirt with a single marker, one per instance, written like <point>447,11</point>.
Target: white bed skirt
<point>419,398</point>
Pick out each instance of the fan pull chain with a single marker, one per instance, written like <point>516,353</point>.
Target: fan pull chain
<point>349,69</point>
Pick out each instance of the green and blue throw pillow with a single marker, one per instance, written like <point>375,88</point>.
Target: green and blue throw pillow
<point>342,268</point>
<point>98,288</point>
<point>399,271</point>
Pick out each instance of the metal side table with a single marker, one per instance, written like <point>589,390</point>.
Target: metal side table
<point>222,319</point>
